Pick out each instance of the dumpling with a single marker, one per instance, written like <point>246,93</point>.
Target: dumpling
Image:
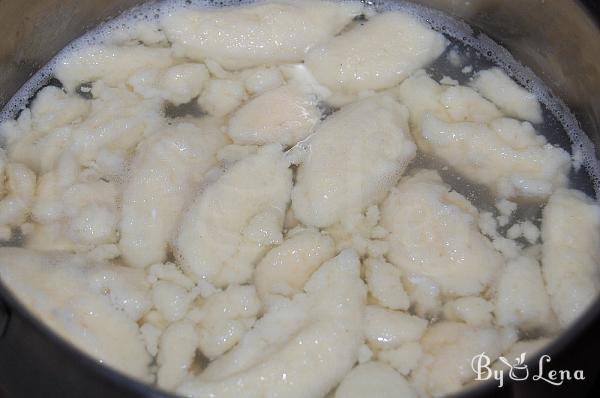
<point>506,155</point>
<point>96,307</point>
<point>284,115</point>
<point>374,379</point>
<point>166,169</point>
<point>109,63</point>
<point>285,269</point>
<point>434,234</point>
<point>353,159</point>
<point>469,133</point>
<point>376,54</point>
<point>571,253</point>
<point>236,219</point>
<point>513,99</point>
<point>258,34</point>
<point>300,348</point>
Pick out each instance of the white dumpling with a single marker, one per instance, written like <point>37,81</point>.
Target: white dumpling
<point>178,84</point>
<point>165,171</point>
<point>521,298</point>
<point>467,131</point>
<point>256,34</point>
<point>40,133</point>
<point>262,79</point>
<point>386,329</point>
<point>376,54</point>
<point>171,300</point>
<point>97,321</point>
<point>53,108</point>
<point>353,159</point>
<point>285,269</point>
<point>506,155</point>
<point>449,348</point>
<point>284,115</point>
<point>571,253</point>
<point>16,202</point>
<point>385,284</point>
<point>127,288</point>
<point>495,85</point>
<point>422,95</point>
<point>73,213</point>
<point>374,379</point>
<point>222,96</point>
<point>177,349</point>
<point>472,310</point>
<point>404,358</point>
<point>235,220</point>
<point>434,234</point>
<point>119,119</point>
<point>109,63</point>
<point>225,317</point>
<point>300,348</point>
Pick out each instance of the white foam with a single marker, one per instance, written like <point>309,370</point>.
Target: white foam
<point>457,30</point>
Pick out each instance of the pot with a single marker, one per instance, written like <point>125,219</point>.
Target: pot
<point>559,40</point>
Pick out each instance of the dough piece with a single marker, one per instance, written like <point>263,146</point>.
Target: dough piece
<point>425,296</point>
<point>257,34</point>
<point>178,84</point>
<point>354,158</point>
<point>171,300</point>
<point>468,132</point>
<point>514,100</point>
<point>423,95</point>
<point>474,311</point>
<point>404,358</point>
<point>434,234</point>
<point>301,348</point>
<point>126,288</point>
<point>235,220</point>
<point>109,63</point>
<point>262,79</point>
<point>61,291</point>
<point>360,232</point>
<point>571,253</point>
<point>221,97</point>
<point>39,135</point>
<point>225,317</point>
<point>376,54</point>
<point>118,121</point>
<point>374,379</point>
<point>165,172</point>
<point>15,206</point>
<point>386,329</point>
<point>177,349</point>
<point>287,267</point>
<point>146,31</point>
<point>449,348</point>
<point>508,156</point>
<point>521,298</point>
<point>284,115</point>
<point>74,213</point>
<point>53,108</point>
<point>385,284</point>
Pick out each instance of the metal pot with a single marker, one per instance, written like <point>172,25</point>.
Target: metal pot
<point>558,39</point>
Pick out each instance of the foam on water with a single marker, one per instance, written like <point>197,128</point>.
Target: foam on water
<point>480,52</point>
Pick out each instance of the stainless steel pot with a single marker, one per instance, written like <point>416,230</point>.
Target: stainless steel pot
<point>558,39</point>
